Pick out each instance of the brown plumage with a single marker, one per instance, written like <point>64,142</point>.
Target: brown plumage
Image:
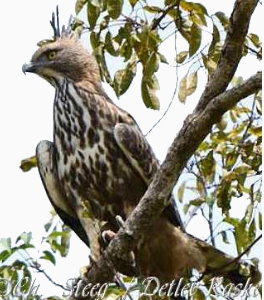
<point>99,164</point>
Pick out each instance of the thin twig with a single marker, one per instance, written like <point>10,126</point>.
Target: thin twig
<point>157,21</point>
<point>172,98</point>
<point>236,259</point>
<point>210,213</point>
<point>35,265</point>
<point>257,53</point>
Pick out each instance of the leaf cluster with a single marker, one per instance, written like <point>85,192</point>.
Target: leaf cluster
<point>226,169</point>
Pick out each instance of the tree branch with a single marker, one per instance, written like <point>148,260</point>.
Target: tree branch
<point>231,52</point>
<point>35,265</point>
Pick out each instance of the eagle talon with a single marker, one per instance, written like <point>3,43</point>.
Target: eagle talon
<point>107,236</point>
<point>93,261</point>
<point>120,221</point>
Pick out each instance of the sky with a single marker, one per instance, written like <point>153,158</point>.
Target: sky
<point>26,118</point>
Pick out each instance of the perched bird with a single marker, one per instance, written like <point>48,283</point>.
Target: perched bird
<point>99,165</point>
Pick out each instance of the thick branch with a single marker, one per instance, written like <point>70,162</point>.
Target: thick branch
<point>231,52</point>
<point>195,129</point>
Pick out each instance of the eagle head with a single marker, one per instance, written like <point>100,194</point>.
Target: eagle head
<point>64,56</point>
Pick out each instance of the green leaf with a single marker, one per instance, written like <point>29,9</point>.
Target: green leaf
<point>188,85</point>
<point>185,208</point>
<point>224,237</point>
<point>198,294</point>
<point>49,256</point>
<point>249,212</point>
<point>114,8</point>
<point>28,163</point>
<point>185,5</point>
<point>209,64</point>
<point>180,58</point>
<point>199,186</point>
<point>152,9</point>
<point>199,8</point>
<point>110,45</point>
<point>48,225</point>
<point>148,92</point>
<point>152,65</point>
<point>181,191</point>
<point>198,19</point>
<point>196,202</point>
<point>193,7</point>
<point>241,235</point>
<point>215,41</point>
<point>97,3</point>
<point>6,243</point>
<point>150,41</point>
<point>162,58</point>
<point>232,116</point>
<point>79,5</point>
<point>169,2</point>
<point>93,13</point>
<point>56,234</point>
<point>223,19</point>
<point>173,13</point>
<point>133,2</point>
<point>99,54</point>
<point>230,160</point>
<point>25,237</point>
<point>195,39</point>
<point>260,220</point>
<point>252,232</point>
<point>95,39</point>
<point>204,146</point>
<point>59,241</point>
<point>254,38</point>
<point>26,246</point>
<point>191,83</point>
<point>126,50</point>
<point>123,78</point>
<point>223,195</point>
<point>65,241</point>
<point>182,95</point>
<point>4,255</point>
<point>257,131</point>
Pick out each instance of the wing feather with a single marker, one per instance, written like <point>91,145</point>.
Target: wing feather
<point>45,160</point>
<point>137,150</point>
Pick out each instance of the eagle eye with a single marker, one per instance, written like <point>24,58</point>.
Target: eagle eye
<point>51,54</point>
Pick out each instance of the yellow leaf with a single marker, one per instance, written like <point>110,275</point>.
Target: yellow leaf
<point>79,5</point>
<point>182,90</point>
<point>180,58</point>
<point>257,131</point>
<point>191,83</point>
<point>28,163</point>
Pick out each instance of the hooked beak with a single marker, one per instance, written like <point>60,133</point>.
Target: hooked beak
<point>31,67</point>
